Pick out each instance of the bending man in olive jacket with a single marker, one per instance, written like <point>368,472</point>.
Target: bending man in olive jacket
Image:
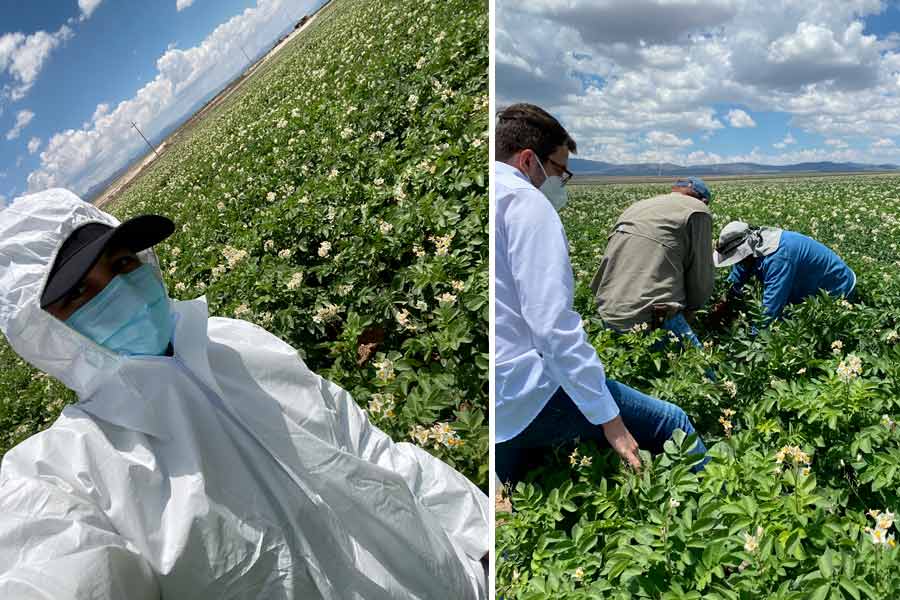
<point>658,262</point>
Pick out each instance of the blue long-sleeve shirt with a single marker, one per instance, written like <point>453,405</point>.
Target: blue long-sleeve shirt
<point>799,268</point>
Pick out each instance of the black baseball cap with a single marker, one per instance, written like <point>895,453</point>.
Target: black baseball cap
<point>84,247</point>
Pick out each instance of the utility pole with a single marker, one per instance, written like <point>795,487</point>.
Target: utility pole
<point>133,124</point>
<point>245,54</point>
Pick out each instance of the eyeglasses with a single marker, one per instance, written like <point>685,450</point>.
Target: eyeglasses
<point>567,174</point>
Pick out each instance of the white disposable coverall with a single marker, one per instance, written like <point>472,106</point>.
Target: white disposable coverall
<point>227,471</point>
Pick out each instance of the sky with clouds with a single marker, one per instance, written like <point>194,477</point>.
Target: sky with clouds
<point>709,81</point>
<point>75,73</point>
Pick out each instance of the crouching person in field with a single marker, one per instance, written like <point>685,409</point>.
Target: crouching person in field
<point>550,384</point>
<point>790,266</point>
<point>658,265</point>
<point>203,459</point>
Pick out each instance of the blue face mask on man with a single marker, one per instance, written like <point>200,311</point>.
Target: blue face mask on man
<point>132,315</point>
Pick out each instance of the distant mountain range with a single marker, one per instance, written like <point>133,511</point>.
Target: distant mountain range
<point>592,167</point>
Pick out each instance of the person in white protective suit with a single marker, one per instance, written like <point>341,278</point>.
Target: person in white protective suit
<point>203,460</point>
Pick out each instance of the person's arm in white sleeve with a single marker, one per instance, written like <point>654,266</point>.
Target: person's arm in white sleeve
<point>539,259</point>
<point>460,507</point>
<point>56,546</point>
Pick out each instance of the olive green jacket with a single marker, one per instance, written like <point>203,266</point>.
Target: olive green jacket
<point>660,252</point>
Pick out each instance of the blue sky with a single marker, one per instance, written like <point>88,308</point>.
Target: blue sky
<point>74,72</point>
<point>709,81</point>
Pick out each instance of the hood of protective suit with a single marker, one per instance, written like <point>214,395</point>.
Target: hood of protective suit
<point>32,231</point>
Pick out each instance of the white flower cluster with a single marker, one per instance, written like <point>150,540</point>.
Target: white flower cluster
<point>883,522</point>
<point>730,387</point>
<point>446,298</point>
<point>384,370</point>
<point>233,256</point>
<point>579,461</point>
<point>403,318</point>
<point>850,368</point>
<point>324,249</point>
<point>796,455</point>
<point>382,405</point>
<point>326,313</point>
<point>442,244</point>
<point>295,281</point>
<point>265,320</point>
<point>439,434</point>
<point>751,542</point>
<point>725,420</point>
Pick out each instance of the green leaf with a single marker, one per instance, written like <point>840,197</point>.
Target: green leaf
<point>849,587</point>
<point>826,565</point>
<point>821,592</point>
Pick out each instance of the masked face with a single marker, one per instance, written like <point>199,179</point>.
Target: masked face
<point>553,188</point>
<point>132,315</point>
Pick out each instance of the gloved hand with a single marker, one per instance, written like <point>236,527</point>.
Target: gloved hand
<point>721,314</point>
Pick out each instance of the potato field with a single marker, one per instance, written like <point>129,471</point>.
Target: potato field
<point>799,500</point>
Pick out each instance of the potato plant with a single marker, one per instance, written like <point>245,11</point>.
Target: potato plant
<point>339,200</point>
<point>799,499</point>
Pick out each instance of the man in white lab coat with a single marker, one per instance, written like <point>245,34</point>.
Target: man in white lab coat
<point>203,459</point>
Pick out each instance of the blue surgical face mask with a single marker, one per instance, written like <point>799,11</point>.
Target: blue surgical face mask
<point>132,315</point>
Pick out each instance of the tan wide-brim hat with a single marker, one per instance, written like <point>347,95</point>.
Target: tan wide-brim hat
<point>739,240</point>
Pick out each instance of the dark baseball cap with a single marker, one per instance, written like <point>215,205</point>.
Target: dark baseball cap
<point>84,247</point>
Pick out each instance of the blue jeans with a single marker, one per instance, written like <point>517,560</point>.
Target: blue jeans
<point>651,422</point>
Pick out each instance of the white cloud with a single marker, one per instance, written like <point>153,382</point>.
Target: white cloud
<point>23,57</point>
<point>661,138</point>
<point>23,118</point>
<point>33,145</point>
<point>787,141</point>
<point>738,118</point>
<point>180,5</point>
<point>703,158</point>
<point>837,143</point>
<point>606,67</point>
<point>82,158</point>
<point>88,7</point>
<point>883,143</point>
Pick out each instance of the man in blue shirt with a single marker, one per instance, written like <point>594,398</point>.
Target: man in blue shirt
<point>550,385</point>
<point>790,266</point>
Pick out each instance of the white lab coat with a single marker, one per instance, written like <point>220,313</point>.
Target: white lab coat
<point>227,471</point>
